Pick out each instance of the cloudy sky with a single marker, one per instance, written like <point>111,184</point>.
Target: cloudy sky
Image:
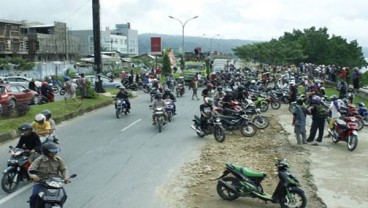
<point>241,19</point>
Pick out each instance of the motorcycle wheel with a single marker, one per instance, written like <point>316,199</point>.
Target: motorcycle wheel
<point>263,106</point>
<point>224,192</point>
<point>334,136</point>
<point>118,113</point>
<point>275,105</point>
<point>365,121</point>
<point>7,182</point>
<point>219,134</point>
<point>199,134</point>
<point>360,124</point>
<point>261,122</point>
<point>55,89</point>
<point>62,92</point>
<point>248,130</point>
<point>352,142</point>
<point>285,100</point>
<point>296,199</point>
<point>159,124</point>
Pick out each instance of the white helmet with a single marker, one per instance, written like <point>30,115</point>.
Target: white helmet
<point>40,117</point>
<point>253,81</point>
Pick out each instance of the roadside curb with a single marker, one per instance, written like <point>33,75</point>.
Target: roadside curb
<point>13,134</point>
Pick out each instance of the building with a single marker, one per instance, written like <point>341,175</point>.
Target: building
<point>12,41</point>
<point>109,41</point>
<point>132,37</point>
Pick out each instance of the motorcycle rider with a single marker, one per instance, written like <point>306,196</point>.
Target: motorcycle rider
<point>123,95</point>
<point>46,91</point>
<point>48,164</point>
<point>41,126</point>
<point>207,92</point>
<point>206,110</point>
<point>253,86</point>
<point>168,95</point>
<point>158,103</point>
<point>335,113</point>
<point>47,114</point>
<point>29,140</point>
<point>219,94</point>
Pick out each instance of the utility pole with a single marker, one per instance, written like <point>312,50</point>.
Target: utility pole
<point>97,44</point>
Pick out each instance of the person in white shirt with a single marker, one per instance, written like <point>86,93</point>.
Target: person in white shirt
<point>335,113</point>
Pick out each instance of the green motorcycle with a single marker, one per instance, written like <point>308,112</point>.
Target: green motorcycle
<point>243,182</point>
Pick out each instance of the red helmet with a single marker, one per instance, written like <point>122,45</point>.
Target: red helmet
<point>209,85</point>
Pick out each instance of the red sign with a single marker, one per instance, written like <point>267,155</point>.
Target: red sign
<point>156,45</point>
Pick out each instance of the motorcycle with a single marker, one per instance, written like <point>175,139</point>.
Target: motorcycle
<point>159,118</point>
<point>52,193</point>
<point>180,90</point>
<point>213,126</point>
<point>345,130</point>
<point>17,169</point>
<point>257,119</point>
<point>153,93</point>
<point>245,182</point>
<point>121,108</point>
<point>169,109</point>
<point>234,120</point>
<point>350,111</point>
<point>273,101</point>
<point>363,112</point>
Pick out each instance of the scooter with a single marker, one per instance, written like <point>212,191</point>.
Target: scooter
<point>245,182</point>
<point>345,130</point>
<point>52,193</point>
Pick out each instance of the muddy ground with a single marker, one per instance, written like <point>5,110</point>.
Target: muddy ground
<point>195,187</point>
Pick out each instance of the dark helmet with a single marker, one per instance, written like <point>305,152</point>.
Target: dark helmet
<point>25,127</point>
<point>66,78</point>
<point>49,148</point>
<point>219,89</point>
<point>316,99</point>
<point>241,87</point>
<point>333,97</point>
<point>300,101</point>
<point>361,105</point>
<point>158,96</point>
<point>47,114</point>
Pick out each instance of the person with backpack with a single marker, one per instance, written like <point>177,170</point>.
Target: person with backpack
<point>319,114</point>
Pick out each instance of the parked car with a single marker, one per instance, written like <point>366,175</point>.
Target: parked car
<point>24,81</point>
<point>15,95</point>
<point>106,82</point>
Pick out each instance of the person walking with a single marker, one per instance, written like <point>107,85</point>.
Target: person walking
<point>356,79</point>
<point>194,86</point>
<point>70,91</point>
<point>299,122</point>
<point>82,84</point>
<point>319,114</point>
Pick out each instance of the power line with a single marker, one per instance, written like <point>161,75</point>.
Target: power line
<point>77,10</point>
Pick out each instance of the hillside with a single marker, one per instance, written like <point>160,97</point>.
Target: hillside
<point>174,42</point>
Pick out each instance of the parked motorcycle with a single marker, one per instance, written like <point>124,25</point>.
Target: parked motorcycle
<point>52,193</point>
<point>213,126</point>
<point>121,108</point>
<point>159,118</point>
<point>244,182</point>
<point>273,101</point>
<point>345,130</point>
<point>363,112</point>
<point>17,169</point>
<point>180,90</point>
<point>237,121</point>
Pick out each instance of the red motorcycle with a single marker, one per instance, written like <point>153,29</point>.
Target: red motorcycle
<point>351,111</point>
<point>345,130</point>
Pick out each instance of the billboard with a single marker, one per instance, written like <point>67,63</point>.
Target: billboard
<point>155,45</point>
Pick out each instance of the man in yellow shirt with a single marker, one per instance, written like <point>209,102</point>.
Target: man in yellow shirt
<point>41,126</point>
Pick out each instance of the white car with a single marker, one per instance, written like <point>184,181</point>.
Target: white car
<point>24,81</point>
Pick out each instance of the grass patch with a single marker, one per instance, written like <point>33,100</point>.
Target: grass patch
<point>58,110</point>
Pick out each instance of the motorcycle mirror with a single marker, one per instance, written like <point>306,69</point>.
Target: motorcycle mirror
<point>73,175</point>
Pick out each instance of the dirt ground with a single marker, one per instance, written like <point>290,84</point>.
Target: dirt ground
<point>195,187</point>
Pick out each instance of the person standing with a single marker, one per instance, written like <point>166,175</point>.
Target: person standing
<point>299,122</point>
<point>356,78</point>
<point>82,84</point>
<point>70,91</point>
<point>318,113</point>
<point>194,86</point>
<point>32,85</point>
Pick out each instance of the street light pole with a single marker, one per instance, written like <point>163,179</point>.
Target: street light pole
<point>182,37</point>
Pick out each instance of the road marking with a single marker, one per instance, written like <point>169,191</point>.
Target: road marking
<point>130,125</point>
<point>12,195</point>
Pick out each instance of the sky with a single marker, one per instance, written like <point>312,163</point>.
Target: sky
<point>259,20</point>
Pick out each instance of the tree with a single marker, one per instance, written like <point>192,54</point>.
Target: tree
<point>166,65</point>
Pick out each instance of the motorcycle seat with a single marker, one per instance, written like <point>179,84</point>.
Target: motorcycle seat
<point>342,123</point>
<point>248,172</point>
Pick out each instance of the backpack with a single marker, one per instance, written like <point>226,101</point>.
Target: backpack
<point>321,111</point>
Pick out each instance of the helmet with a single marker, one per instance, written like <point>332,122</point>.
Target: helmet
<point>40,118</point>
<point>44,84</point>
<point>208,100</point>
<point>49,148</point>
<point>219,89</point>
<point>25,127</point>
<point>66,78</point>
<point>253,81</point>
<point>333,97</point>
<point>241,87</point>
<point>47,114</point>
<point>283,164</point>
<point>300,101</point>
<point>158,96</point>
<point>361,105</point>
<point>122,87</point>
<point>209,85</point>
<point>316,99</point>
<point>351,95</point>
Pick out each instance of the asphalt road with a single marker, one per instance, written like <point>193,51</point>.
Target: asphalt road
<point>119,162</point>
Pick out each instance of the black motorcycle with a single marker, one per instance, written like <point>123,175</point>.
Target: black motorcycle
<point>244,182</point>
<point>16,170</point>
<point>121,107</point>
<point>239,122</point>
<point>52,193</point>
<point>212,125</point>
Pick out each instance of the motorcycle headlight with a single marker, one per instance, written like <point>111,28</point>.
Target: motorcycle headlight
<point>55,184</point>
<point>217,119</point>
